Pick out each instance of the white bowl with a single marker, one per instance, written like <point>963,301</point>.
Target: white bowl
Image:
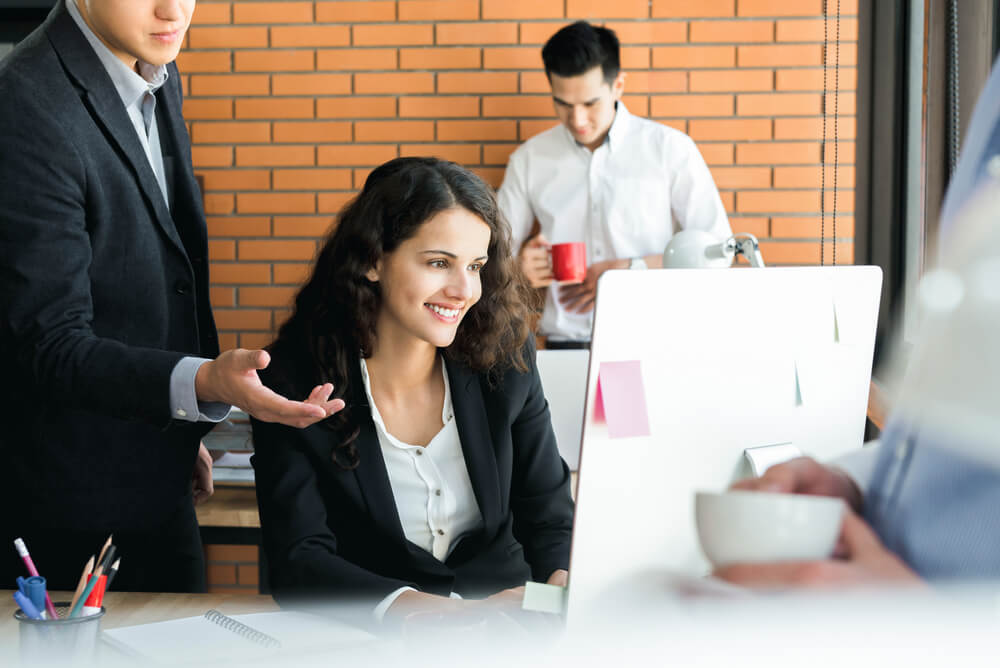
<point>754,527</point>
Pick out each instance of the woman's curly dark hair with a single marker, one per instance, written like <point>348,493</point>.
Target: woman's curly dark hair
<point>337,309</point>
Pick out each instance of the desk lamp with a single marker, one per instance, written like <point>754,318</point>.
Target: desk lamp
<point>696,249</point>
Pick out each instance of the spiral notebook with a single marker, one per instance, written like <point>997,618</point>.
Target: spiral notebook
<point>215,637</point>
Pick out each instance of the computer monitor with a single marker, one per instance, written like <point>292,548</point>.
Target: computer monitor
<point>729,360</point>
<point>564,380</point>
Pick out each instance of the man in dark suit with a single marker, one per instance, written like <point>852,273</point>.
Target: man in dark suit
<point>105,318</point>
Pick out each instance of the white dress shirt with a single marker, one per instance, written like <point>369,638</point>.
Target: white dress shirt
<point>624,200</point>
<point>430,484</point>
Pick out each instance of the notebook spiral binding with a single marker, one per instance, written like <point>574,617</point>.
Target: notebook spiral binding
<point>241,629</point>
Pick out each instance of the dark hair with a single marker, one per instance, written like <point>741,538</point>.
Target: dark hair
<point>579,48</point>
<point>336,310</point>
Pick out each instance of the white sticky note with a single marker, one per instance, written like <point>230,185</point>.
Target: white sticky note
<point>540,597</point>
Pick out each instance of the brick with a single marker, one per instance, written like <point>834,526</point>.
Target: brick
<point>716,153</point>
<point>273,60</point>
<point>311,84</point>
<point>204,61</point>
<point>288,107</point>
<point>692,105</point>
<point>219,296</point>
<point>648,32</point>
<point>312,179</point>
<point>212,156</point>
<point>293,273</point>
<point>393,34</point>
<point>221,250</point>
<point>728,198</point>
<point>272,12</point>
<point>635,57</point>
<point>355,154</point>
<point>356,59</point>
<point>275,203</point>
<point>250,341</point>
<point>311,132</point>
<point>637,104</point>
<point>731,81</point>
<point>523,106</point>
<point>248,574</point>
<point>230,84</point>
<point>394,82</point>
<point>491,175</point>
<point>332,202</point>
<point>512,58</point>
<point>243,319</point>
<point>601,9</point>
<point>356,106</point>
<point>301,36</point>
<point>812,128</point>
<point>230,132</point>
<point>230,37</point>
<point>687,57</point>
<point>350,11</point>
<point>207,109</point>
<point>393,131</point>
<point>777,153</point>
<point>779,7</point>
<point>498,154</point>
<point>675,123</point>
<point>812,79</point>
<point>477,82</point>
<point>730,178</point>
<point>844,151</point>
<point>272,296</point>
<point>657,82</point>
<point>712,129</point>
<point>253,249</point>
<point>299,226</point>
<point>811,30</point>
<point>777,201</point>
<point>845,201</point>
<point>759,227</point>
<point>772,55</point>
<point>528,129</point>
<point>689,10</point>
<point>438,107</point>
<point>522,9</point>
<point>237,179</point>
<point>238,226</point>
<point>449,58</point>
<point>774,104</point>
<point>804,253</point>
<point>812,227</point>
<point>476,33</point>
<point>220,574</point>
<point>463,154</point>
<point>848,55</point>
<point>274,156</point>
<point>842,104</point>
<point>535,82</point>
<point>476,130</point>
<point>208,13</point>
<point>732,32</point>
<point>438,10</point>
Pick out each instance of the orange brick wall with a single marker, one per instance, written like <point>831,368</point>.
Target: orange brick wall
<point>291,103</point>
<point>232,569</point>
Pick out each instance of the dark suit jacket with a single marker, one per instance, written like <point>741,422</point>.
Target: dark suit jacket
<point>331,532</point>
<point>103,290</point>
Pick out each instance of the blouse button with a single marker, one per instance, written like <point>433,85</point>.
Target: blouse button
<point>437,492</point>
<point>419,452</point>
<point>440,532</point>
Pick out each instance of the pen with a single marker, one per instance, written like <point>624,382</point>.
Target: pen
<point>83,582</point>
<point>27,606</point>
<point>111,574</point>
<point>22,550</point>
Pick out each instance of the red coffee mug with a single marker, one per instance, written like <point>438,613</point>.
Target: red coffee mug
<point>569,262</point>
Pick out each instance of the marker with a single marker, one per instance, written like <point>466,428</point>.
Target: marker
<point>27,606</point>
<point>22,550</point>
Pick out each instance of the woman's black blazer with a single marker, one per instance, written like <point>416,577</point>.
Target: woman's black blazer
<point>335,533</point>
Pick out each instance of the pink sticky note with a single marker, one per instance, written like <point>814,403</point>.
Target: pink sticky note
<point>621,399</point>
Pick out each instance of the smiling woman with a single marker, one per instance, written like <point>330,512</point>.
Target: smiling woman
<point>441,477</point>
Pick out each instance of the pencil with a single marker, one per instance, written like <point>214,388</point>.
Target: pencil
<point>94,577</point>
<point>83,582</point>
<point>107,544</point>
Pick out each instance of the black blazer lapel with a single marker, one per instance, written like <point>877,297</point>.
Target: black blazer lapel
<point>100,95</point>
<point>477,448</point>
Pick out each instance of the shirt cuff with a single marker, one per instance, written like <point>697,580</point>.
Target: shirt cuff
<point>859,464</point>
<point>383,607</point>
<point>184,404</point>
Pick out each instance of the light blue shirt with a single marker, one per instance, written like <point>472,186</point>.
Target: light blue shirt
<point>138,94</point>
<point>936,509</point>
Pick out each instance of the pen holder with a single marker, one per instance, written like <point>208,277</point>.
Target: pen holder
<point>63,641</point>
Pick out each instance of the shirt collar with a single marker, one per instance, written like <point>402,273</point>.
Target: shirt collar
<point>616,133</point>
<point>131,87</point>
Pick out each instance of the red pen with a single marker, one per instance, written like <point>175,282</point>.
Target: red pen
<point>22,550</point>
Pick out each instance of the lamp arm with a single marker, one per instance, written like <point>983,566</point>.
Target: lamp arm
<point>746,245</point>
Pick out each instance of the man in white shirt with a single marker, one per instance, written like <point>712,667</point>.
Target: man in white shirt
<point>620,183</point>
